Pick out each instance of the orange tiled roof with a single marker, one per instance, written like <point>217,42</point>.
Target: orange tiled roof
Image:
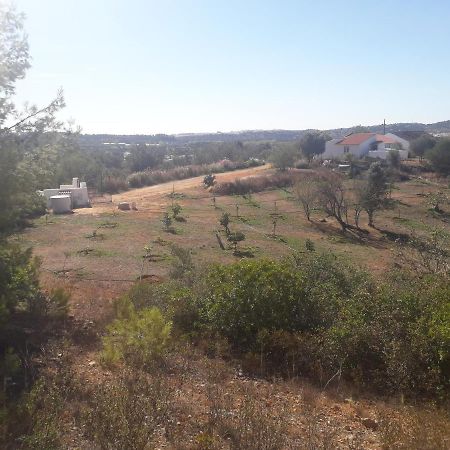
<point>385,139</point>
<point>355,139</point>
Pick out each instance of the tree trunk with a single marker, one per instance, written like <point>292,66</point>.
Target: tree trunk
<point>370,214</point>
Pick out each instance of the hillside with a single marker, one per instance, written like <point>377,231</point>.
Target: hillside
<point>410,129</point>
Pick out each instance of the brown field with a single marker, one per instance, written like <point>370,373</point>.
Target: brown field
<point>112,260</point>
<point>98,268</point>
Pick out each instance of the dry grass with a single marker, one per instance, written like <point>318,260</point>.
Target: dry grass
<point>212,406</point>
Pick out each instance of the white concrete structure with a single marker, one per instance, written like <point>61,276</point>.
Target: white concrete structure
<point>76,191</point>
<point>60,204</point>
<point>365,144</point>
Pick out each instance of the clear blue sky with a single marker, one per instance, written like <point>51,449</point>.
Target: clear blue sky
<point>147,66</point>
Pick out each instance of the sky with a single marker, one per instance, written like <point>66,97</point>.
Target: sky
<point>175,66</point>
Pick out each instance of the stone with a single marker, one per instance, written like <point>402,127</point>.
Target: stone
<point>124,206</point>
<point>369,423</point>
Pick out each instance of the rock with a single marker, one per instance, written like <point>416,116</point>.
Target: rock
<point>124,206</point>
<point>91,363</point>
<point>369,423</point>
<point>348,428</point>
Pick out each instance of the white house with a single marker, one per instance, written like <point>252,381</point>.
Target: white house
<point>77,192</point>
<point>366,144</point>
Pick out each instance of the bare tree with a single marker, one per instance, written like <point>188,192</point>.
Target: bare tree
<point>306,191</point>
<point>333,197</point>
<point>356,199</point>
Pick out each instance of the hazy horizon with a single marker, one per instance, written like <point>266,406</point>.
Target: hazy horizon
<point>176,67</point>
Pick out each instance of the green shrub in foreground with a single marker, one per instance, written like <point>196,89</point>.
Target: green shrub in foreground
<point>141,339</point>
<point>317,316</point>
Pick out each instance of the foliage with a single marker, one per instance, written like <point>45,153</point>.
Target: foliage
<point>152,177</point>
<point>332,197</point>
<point>225,222</point>
<point>245,297</point>
<point>182,265</point>
<point>373,195</point>
<point>235,238</point>
<point>316,316</point>
<point>430,255</point>
<point>439,157</point>
<point>166,221</point>
<point>309,245</point>
<point>209,180</point>
<point>14,56</point>
<point>141,339</point>
<point>393,159</point>
<point>436,199</point>
<point>254,184</point>
<point>284,156</point>
<point>18,279</point>
<point>176,210</point>
<point>313,144</point>
<point>422,144</point>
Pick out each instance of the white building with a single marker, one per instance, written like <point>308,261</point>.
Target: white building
<point>366,144</point>
<point>77,192</point>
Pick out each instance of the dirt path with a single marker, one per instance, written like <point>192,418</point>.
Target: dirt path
<point>155,195</point>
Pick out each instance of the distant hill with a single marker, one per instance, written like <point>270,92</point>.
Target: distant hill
<point>406,130</point>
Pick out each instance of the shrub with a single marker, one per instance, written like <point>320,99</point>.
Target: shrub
<point>225,222</point>
<point>141,339</point>
<point>150,178</point>
<point>235,238</point>
<point>113,185</point>
<point>254,184</point>
<point>439,157</point>
<point>243,298</point>
<point>176,210</point>
<point>318,316</point>
<point>127,413</point>
<point>209,180</point>
<point>166,221</point>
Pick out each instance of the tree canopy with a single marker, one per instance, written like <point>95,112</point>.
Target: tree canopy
<point>313,144</point>
<point>439,157</point>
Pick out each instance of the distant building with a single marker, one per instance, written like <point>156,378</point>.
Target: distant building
<point>366,144</point>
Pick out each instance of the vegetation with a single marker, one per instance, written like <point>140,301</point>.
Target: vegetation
<point>140,338</point>
<point>422,144</point>
<point>313,144</point>
<point>284,156</point>
<point>439,157</point>
<point>254,184</point>
<point>168,346</point>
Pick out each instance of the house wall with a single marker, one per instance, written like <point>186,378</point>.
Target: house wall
<point>332,150</point>
<point>404,142</point>
<point>363,148</point>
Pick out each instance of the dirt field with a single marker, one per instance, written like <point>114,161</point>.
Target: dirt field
<point>97,254</point>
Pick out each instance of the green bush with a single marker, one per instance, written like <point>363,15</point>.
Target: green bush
<point>141,339</point>
<point>439,157</point>
<point>243,298</point>
<point>317,316</point>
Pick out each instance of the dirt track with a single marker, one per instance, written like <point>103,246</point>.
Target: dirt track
<point>154,195</point>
